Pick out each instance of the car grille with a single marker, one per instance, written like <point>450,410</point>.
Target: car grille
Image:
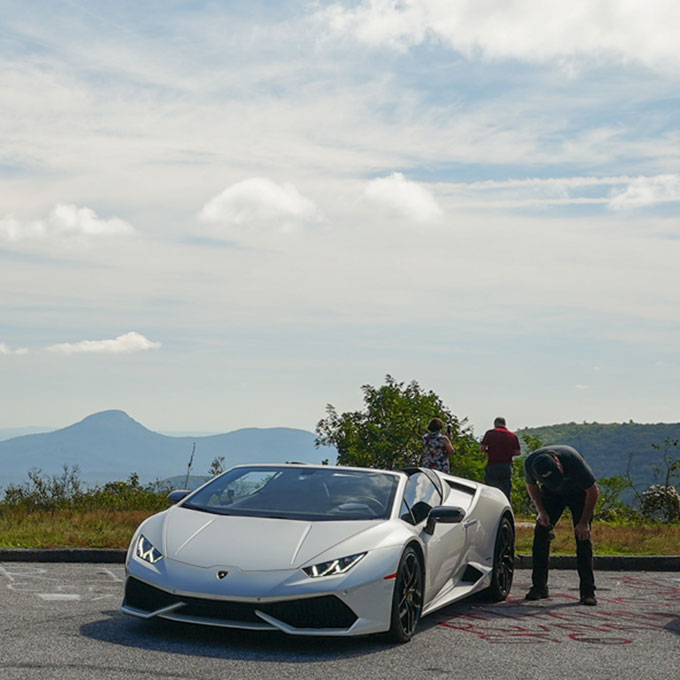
<point>326,611</point>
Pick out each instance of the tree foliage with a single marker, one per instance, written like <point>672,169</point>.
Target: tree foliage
<point>388,432</point>
<point>217,466</point>
<point>610,507</point>
<point>51,493</point>
<point>662,501</point>
<point>669,467</point>
<point>521,501</point>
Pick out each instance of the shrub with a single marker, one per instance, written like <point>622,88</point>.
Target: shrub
<point>49,493</point>
<point>660,503</point>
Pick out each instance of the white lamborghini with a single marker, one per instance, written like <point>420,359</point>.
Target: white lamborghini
<point>321,550</point>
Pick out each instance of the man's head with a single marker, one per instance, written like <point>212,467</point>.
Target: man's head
<point>499,422</point>
<point>548,469</point>
<point>435,425</point>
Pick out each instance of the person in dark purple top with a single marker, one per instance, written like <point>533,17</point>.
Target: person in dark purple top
<point>558,477</point>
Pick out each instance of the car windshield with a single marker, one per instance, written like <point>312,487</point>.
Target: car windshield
<point>298,493</point>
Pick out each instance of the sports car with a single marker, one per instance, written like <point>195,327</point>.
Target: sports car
<point>321,550</point>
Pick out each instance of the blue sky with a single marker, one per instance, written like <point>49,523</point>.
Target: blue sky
<point>220,215</point>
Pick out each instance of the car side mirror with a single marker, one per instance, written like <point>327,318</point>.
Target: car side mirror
<point>443,514</point>
<point>178,495</point>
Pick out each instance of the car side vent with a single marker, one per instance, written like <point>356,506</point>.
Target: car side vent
<point>462,487</point>
<point>471,574</point>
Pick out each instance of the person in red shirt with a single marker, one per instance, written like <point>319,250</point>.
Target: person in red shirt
<point>500,446</point>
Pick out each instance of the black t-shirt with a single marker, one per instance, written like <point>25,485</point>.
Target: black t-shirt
<point>577,473</point>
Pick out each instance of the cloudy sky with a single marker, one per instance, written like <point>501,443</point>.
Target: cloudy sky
<point>216,215</point>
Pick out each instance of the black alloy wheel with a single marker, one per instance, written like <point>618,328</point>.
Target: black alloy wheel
<point>503,562</point>
<point>407,601</point>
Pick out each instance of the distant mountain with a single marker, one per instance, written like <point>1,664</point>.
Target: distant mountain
<point>11,432</point>
<point>607,447</point>
<point>111,445</point>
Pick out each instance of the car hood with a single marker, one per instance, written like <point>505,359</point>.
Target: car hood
<point>252,543</point>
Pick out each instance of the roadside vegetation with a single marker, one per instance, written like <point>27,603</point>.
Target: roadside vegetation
<point>58,511</point>
<point>609,539</point>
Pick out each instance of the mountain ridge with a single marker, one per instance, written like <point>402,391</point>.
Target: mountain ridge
<point>110,445</point>
<point>614,449</point>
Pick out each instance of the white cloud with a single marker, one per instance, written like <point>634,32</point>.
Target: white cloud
<point>6,349</point>
<point>260,201</point>
<point>647,191</point>
<point>65,221</point>
<point>625,30</point>
<point>12,230</point>
<point>404,197</point>
<point>123,344</point>
<point>550,183</point>
<point>616,192</point>
<point>71,220</point>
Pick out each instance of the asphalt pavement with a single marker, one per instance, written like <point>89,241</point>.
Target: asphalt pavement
<point>61,620</point>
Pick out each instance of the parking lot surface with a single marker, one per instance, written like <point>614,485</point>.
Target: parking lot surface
<point>62,621</point>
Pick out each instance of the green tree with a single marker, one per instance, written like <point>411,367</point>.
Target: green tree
<point>217,466</point>
<point>662,501</point>
<point>670,467</point>
<point>610,507</point>
<point>388,432</point>
<point>521,502</point>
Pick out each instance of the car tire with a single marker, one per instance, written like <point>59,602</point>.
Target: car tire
<point>503,562</point>
<point>407,600</point>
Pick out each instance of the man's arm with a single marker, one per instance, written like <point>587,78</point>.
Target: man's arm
<point>582,529</point>
<point>535,493</point>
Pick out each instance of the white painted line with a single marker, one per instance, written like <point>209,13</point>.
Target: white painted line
<point>52,597</point>
<point>108,572</point>
<point>6,573</point>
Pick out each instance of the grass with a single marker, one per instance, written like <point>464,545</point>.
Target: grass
<point>114,529</point>
<point>610,539</point>
<point>68,529</point>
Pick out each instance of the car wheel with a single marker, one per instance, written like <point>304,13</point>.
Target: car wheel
<point>407,600</point>
<point>503,562</point>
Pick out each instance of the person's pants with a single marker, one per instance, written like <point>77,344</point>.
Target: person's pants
<point>500,476</point>
<point>554,506</point>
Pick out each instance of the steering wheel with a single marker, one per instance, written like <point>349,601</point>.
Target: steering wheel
<point>372,503</point>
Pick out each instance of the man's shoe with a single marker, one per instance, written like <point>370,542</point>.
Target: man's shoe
<point>589,600</point>
<point>536,594</point>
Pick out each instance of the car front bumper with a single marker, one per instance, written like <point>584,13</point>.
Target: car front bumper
<point>356,603</point>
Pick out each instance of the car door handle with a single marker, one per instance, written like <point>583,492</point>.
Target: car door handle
<point>470,523</point>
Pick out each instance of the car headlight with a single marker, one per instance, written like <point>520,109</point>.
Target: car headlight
<point>333,567</point>
<point>145,551</point>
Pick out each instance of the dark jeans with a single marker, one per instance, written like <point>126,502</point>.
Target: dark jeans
<point>554,505</point>
<point>500,476</point>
